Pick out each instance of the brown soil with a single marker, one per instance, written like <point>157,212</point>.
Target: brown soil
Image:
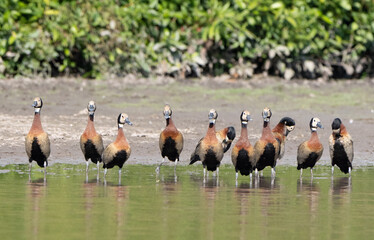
<point>65,99</point>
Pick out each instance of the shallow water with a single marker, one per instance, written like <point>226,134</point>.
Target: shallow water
<point>67,205</point>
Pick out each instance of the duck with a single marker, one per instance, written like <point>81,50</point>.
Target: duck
<point>117,153</point>
<point>91,142</point>
<point>209,149</point>
<point>37,144</point>
<point>267,147</point>
<point>226,136</point>
<point>341,147</point>
<point>310,151</point>
<point>242,154</point>
<point>171,140</point>
<point>281,131</point>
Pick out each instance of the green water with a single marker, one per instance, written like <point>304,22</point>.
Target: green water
<point>67,206</point>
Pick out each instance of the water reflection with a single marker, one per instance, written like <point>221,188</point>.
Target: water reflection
<point>121,195</point>
<point>209,189</point>
<point>110,183</point>
<point>307,186</point>
<point>97,177</point>
<point>89,195</point>
<point>36,192</point>
<point>244,194</point>
<point>169,178</point>
<point>311,190</point>
<point>90,192</point>
<point>169,183</point>
<point>266,184</point>
<point>116,203</point>
<point>169,208</point>
<point>340,190</point>
<point>341,186</point>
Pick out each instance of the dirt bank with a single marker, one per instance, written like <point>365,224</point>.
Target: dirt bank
<point>65,99</point>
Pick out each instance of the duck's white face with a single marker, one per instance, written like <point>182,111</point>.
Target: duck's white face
<point>266,114</point>
<point>245,117</point>
<point>123,118</point>
<point>91,107</point>
<point>167,111</point>
<point>290,128</point>
<point>315,123</point>
<point>37,104</point>
<point>212,116</point>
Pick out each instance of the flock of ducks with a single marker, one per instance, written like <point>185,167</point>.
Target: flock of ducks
<point>209,150</point>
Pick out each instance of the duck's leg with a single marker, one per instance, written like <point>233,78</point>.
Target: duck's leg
<point>158,168</point>
<point>205,175</point>
<point>175,164</point>
<point>175,170</point>
<point>273,172</point>
<point>119,176</point>
<point>45,170</point>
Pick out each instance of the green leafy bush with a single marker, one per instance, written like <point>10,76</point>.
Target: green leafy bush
<point>299,38</point>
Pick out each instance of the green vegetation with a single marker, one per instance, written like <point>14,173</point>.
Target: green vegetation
<point>300,38</point>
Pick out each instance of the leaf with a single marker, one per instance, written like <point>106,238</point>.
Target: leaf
<point>252,5</point>
<point>50,12</point>
<point>354,26</point>
<point>326,19</point>
<point>346,5</point>
<point>276,5</point>
<point>12,38</point>
<point>291,21</point>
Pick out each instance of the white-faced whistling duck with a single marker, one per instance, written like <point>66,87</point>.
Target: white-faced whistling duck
<point>209,150</point>
<point>226,136</point>
<point>37,142</point>
<point>309,152</point>
<point>267,147</point>
<point>91,142</point>
<point>171,140</point>
<point>280,133</point>
<point>341,147</point>
<point>243,155</point>
<point>117,153</point>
